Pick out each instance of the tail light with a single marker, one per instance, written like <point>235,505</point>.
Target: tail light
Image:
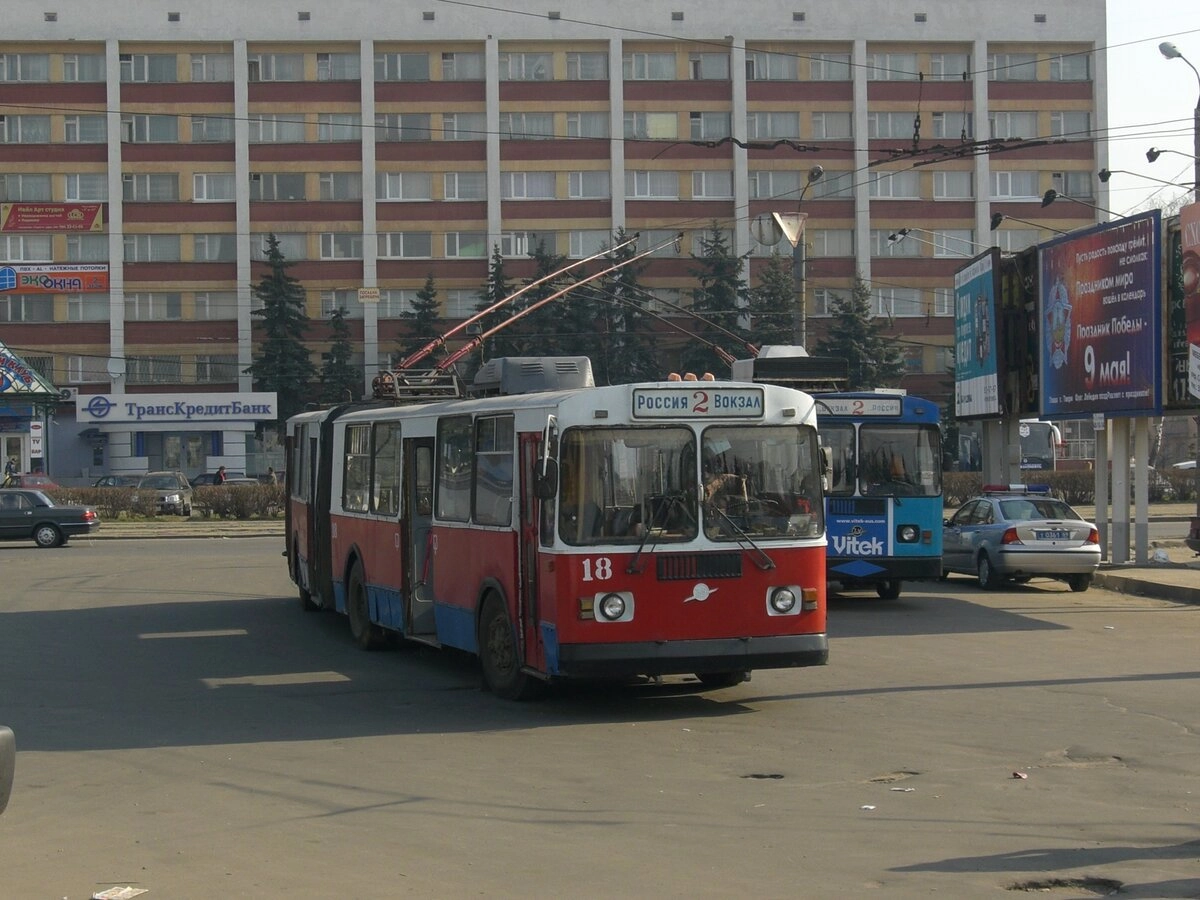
<point>89,515</point>
<point>1010,537</point>
<point>1093,537</point>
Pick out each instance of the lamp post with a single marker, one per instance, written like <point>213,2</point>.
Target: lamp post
<point>1170,51</point>
<point>791,225</point>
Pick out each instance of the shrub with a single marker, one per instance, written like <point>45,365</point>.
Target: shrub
<point>239,501</point>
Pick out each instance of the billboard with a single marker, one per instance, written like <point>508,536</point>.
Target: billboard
<point>51,217</point>
<point>1189,239</point>
<point>71,278</point>
<point>1100,316</point>
<point>976,363</point>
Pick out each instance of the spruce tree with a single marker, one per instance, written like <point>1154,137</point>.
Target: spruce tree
<point>621,342</point>
<point>283,365</point>
<point>423,321</point>
<point>341,381</point>
<point>721,298</point>
<point>861,339</point>
<point>772,302</point>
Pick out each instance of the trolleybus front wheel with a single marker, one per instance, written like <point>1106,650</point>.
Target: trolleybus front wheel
<point>714,680</point>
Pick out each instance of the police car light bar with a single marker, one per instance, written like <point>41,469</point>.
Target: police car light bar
<point>1016,489</point>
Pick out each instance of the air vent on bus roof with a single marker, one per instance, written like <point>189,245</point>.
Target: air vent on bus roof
<point>532,374</point>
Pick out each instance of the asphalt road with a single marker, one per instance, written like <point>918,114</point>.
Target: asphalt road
<point>183,727</point>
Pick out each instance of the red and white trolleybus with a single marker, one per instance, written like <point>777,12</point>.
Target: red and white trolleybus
<point>561,530</point>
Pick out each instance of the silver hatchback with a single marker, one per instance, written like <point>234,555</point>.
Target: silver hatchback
<point>1019,532</point>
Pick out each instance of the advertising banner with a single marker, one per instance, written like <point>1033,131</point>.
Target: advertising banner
<point>73,278</point>
<point>1189,238</point>
<point>1100,318</point>
<point>976,372</point>
<point>51,217</point>
<point>177,408</point>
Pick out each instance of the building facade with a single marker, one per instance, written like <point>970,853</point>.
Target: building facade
<point>382,143</point>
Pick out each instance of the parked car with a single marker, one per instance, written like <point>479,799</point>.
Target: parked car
<point>233,481</point>
<point>207,478</point>
<point>33,482</point>
<point>172,493</point>
<point>1018,533</point>
<point>117,481</point>
<point>1186,464</point>
<point>31,515</point>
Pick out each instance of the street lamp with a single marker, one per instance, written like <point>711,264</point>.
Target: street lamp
<point>997,218</point>
<point>1105,174</point>
<point>1051,195</point>
<point>1170,51</point>
<point>938,244</point>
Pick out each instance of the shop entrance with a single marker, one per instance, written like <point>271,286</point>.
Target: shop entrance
<point>176,451</point>
<point>14,447</point>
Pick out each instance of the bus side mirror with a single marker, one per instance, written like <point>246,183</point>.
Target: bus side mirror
<point>826,459</point>
<point>545,479</point>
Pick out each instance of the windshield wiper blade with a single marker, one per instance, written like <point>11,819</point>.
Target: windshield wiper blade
<point>763,561</point>
<point>664,510</point>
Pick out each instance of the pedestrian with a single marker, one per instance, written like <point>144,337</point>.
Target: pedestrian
<point>272,478</point>
<point>220,479</point>
<point>10,470</point>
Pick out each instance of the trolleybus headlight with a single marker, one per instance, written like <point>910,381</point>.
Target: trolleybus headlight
<point>612,607</point>
<point>908,534</point>
<point>783,600</point>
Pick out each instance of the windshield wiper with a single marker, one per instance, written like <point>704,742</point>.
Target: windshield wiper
<point>763,561</point>
<point>663,510</point>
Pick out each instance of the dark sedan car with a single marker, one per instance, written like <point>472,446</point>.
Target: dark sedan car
<point>31,515</point>
<point>117,481</point>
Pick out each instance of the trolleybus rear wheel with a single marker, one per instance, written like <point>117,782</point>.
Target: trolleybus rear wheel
<point>366,634</point>
<point>714,680</point>
<point>888,590</point>
<point>498,654</point>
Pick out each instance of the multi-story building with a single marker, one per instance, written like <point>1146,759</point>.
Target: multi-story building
<point>384,142</point>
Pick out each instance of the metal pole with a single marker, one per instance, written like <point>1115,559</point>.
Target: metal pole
<point>800,320</point>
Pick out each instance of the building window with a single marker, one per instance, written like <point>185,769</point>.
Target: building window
<point>466,244</point>
<point>460,303</point>
<point>904,185</point>
<point>526,67</point>
<point>1008,125</point>
<point>589,242</point>
<point>88,369</point>
<point>87,308</point>
<point>462,67</point>
<point>1011,240</point>
<point>772,125</point>
<point>882,245</point>
<point>1073,184</point>
<point>84,67</point>
<point>394,303</point>
<point>527,185</point>
<point>24,129</point>
<point>405,245</point>
<point>25,247</point>
<point>150,187</point>
<point>954,242</point>
<point>830,241</point>
<point>464,126</point>
<point>147,129</point>
<point>648,66</point>
<point>1071,67</point>
<point>402,127</point>
<point>277,186</point>
<point>153,369</point>
<point>152,307</point>
<point>524,126</point>
<point>401,66</point>
<point>403,186</point>
<point>212,129</point>
<point>1012,67</point>
<point>527,243</point>
<point>1073,124</point>
<point>26,188</point>
<point>708,66</point>
<point>897,302</point>
<point>832,126</point>
<point>211,186</point>
<point>665,239</point>
<point>213,305</point>
<point>151,248</point>
<point>272,129</point>
<point>26,308</point>
<point>589,185</point>
<point>275,67</point>
<point>339,127</point>
<point>651,126</point>
<point>829,67</point>
<point>341,185</point>
<point>24,67</point>
<point>87,248</point>
<point>338,67</point>
<point>291,246</point>
<point>465,185</point>
<point>148,67</point>
<point>943,301</point>
<point>341,245</point>
<point>216,369</point>
<point>953,185</point>
<point>587,66</point>
<point>709,126</point>
<point>949,66</point>
<point>767,184</point>
<point>821,302</point>
<point>213,247</point>
<point>212,67</point>
<point>651,184</point>
<point>712,184</point>
<point>1014,185</point>
<point>890,125</point>
<point>345,299</point>
<point>87,187</point>
<point>587,125</point>
<point>891,67</point>
<point>85,129</point>
<point>832,185</point>
<point>953,125</point>
<point>763,66</point>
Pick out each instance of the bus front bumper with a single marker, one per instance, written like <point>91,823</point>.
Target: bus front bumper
<point>691,657</point>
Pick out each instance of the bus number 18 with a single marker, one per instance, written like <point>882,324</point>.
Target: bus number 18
<point>599,569</point>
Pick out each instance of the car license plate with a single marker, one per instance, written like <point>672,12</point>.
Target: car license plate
<point>1059,534</point>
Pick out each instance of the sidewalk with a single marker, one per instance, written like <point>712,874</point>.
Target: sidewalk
<point>1172,573</point>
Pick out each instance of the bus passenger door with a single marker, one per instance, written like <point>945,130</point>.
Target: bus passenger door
<point>418,561</point>
<point>529,515</point>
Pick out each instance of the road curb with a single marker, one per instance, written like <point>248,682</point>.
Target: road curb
<point>1128,583</point>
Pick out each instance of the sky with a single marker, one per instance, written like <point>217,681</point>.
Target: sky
<point>1151,99</point>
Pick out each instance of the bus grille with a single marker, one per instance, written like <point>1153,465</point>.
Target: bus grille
<point>708,565</point>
